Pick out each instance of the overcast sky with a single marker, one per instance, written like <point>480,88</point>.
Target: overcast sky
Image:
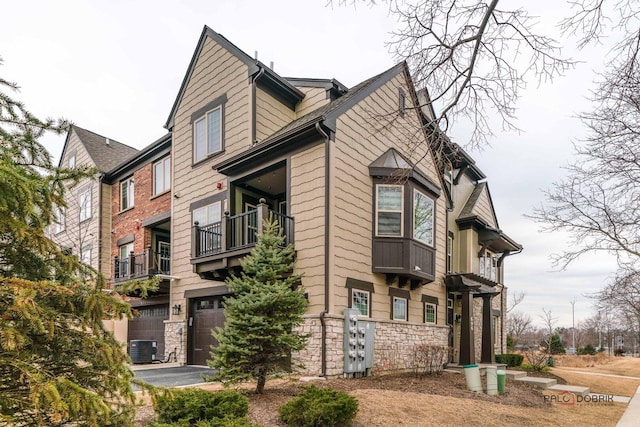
<point>114,67</point>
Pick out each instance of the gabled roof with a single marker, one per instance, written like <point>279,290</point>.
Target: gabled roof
<point>324,116</point>
<point>469,210</point>
<point>106,153</point>
<point>273,82</point>
<point>488,235</point>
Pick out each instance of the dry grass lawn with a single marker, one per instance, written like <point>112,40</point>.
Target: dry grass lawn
<point>570,370</point>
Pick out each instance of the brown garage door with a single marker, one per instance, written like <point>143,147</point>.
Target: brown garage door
<point>205,315</point>
<point>148,324</point>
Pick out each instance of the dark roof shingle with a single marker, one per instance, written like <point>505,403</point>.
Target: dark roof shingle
<point>105,156</point>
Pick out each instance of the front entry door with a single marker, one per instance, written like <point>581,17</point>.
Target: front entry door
<point>206,314</point>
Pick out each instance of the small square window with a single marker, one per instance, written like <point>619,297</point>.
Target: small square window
<point>399,308</point>
<point>429,313</point>
<point>360,301</point>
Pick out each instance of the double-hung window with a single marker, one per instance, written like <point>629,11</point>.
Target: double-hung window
<point>429,312</point>
<point>72,160</point>
<point>162,176</point>
<point>361,300</point>
<point>126,194</point>
<point>422,218</point>
<point>85,254</point>
<point>208,134</point>
<point>208,214</point>
<point>84,203</point>
<point>389,210</point>
<point>59,220</point>
<point>399,308</point>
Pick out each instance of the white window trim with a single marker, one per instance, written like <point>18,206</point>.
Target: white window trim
<point>406,309</point>
<point>125,246</point>
<point>204,117</point>
<point>130,193</point>
<point>72,161</point>
<point>86,249</point>
<point>433,219</point>
<point>353,305</point>
<point>85,209</point>
<point>164,161</point>
<point>435,313</point>
<point>401,211</point>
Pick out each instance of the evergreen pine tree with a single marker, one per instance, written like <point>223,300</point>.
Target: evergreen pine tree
<point>262,313</point>
<point>58,364</point>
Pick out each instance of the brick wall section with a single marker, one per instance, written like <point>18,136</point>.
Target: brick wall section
<point>393,344</point>
<point>145,205</point>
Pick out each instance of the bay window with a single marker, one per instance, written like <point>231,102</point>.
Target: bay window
<point>422,218</point>
<point>389,210</point>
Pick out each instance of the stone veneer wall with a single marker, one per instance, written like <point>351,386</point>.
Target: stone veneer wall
<point>500,344</point>
<point>393,344</point>
<point>173,341</point>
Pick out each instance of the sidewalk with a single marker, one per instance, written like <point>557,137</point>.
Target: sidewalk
<point>631,416</point>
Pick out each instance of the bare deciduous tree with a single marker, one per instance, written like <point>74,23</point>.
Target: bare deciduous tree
<point>518,324</point>
<point>516,298</point>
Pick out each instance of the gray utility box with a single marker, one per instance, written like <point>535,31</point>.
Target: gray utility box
<point>358,344</point>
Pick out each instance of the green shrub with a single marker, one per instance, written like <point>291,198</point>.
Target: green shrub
<point>197,404</point>
<point>511,360</point>
<point>317,407</point>
<point>587,349</point>
<point>226,422</point>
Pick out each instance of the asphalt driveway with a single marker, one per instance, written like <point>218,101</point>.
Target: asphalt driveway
<point>172,376</point>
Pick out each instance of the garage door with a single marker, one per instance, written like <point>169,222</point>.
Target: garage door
<point>205,315</point>
<point>148,324</point>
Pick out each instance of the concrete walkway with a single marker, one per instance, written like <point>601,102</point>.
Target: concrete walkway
<point>599,374</point>
<point>631,416</point>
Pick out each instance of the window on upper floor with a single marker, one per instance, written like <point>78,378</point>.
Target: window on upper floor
<point>208,214</point>
<point>59,220</point>
<point>422,218</point>
<point>126,194</point>
<point>84,204</point>
<point>489,266</point>
<point>207,134</point>
<point>85,254</point>
<point>450,253</point>
<point>125,250</point>
<point>72,160</point>
<point>162,176</point>
<point>389,210</point>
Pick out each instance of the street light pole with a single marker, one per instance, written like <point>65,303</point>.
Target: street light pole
<point>573,328</point>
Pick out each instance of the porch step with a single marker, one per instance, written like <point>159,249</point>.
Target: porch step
<point>542,383</point>
<point>575,389</point>
<point>512,374</point>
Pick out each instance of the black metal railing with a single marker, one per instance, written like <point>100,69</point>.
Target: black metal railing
<point>146,264</point>
<point>237,231</point>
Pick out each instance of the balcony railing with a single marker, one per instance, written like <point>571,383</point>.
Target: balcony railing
<point>237,232</point>
<point>138,266</point>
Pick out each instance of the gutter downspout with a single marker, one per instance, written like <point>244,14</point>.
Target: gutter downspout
<point>503,318</point>
<point>323,326</point>
<point>253,105</point>
<point>100,248</point>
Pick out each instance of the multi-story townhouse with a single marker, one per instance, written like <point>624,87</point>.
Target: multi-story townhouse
<point>84,225</point>
<point>348,174</point>
<point>140,236</point>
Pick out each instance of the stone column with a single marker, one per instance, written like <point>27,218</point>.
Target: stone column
<point>467,352</point>
<point>487,330</point>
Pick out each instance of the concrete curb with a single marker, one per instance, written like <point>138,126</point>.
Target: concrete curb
<point>632,413</point>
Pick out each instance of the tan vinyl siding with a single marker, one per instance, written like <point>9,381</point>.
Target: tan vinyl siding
<point>364,133</point>
<point>76,234</point>
<point>307,208</point>
<point>271,114</point>
<point>484,209</point>
<point>314,98</point>
<point>216,72</point>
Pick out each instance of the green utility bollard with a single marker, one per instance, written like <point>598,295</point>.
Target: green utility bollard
<point>502,377</point>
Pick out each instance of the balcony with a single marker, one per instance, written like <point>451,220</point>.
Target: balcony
<point>218,247</point>
<point>141,266</point>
